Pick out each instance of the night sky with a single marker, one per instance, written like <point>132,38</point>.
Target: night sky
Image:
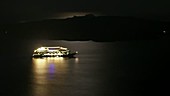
<point>25,10</point>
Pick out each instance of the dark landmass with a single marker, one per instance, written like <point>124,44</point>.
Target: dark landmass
<point>89,27</point>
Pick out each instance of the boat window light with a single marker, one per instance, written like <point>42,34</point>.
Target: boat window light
<point>41,49</point>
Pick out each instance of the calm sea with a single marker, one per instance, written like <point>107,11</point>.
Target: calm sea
<point>129,68</point>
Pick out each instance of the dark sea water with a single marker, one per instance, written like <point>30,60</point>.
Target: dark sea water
<point>127,68</point>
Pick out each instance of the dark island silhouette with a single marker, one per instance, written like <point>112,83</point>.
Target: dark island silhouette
<point>88,27</point>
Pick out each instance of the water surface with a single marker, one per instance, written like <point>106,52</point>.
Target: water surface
<point>133,68</point>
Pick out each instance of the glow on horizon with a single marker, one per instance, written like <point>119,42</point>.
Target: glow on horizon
<point>71,14</point>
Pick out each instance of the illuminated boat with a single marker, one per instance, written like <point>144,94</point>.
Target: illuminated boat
<point>53,52</point>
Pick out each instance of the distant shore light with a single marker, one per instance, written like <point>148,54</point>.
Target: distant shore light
<point>164,32</point>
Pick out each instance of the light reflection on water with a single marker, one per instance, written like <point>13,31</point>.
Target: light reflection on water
<point>48,73</point>
<point>45,65</point>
